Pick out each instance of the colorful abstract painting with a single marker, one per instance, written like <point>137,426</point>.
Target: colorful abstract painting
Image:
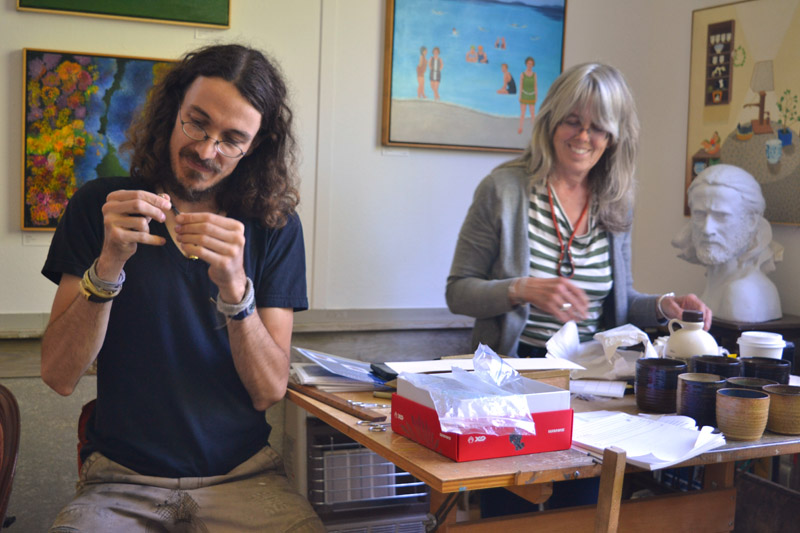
<point>77,109</point>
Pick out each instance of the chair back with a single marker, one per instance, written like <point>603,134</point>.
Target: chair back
<point>9,445</point>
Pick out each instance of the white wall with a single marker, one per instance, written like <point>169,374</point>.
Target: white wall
<point>381,223</point>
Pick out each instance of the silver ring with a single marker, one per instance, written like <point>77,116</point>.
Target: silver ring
<point>566,306</point>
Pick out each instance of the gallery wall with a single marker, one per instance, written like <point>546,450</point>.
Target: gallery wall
<point>380,223</point>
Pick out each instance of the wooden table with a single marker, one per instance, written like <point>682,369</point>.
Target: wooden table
<point>531,476</point>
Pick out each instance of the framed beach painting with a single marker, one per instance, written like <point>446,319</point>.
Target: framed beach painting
<point>468,74</point>
<point>76,110</point>
<point>211,13</point>
<point>743,98</point>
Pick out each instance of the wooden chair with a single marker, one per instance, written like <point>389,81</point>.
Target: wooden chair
<point>9,446</point>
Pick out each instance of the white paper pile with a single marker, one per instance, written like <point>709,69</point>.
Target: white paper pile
<point>649,442</point>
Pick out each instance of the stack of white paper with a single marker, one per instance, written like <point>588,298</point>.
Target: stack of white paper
<point>650,443</point>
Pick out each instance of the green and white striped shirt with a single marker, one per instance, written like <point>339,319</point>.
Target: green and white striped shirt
<point>590,257</point>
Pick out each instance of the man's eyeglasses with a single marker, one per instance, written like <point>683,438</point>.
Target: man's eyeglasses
<point>195,132</point>
<point>574,126</point>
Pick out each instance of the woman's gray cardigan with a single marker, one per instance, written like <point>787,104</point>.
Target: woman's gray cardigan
<point>493,250</point>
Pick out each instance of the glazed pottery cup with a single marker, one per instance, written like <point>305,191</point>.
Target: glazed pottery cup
<point>742,413</point>
<point>784,409</point>
<point>742,382</point>
<point>656,384</point>
<point>716,364</point>
<point>774,151</point>
<point>697,397</point>
<point>764,367</point>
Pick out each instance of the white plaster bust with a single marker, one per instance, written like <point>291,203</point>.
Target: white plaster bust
<point>729,235</point>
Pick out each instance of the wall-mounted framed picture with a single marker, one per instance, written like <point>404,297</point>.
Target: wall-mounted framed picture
<point>743,98</point>
<point>210,13</point>
<point>76,110</point>
<point>468,74</point>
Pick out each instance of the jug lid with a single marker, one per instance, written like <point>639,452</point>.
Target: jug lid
<point>690,315</point>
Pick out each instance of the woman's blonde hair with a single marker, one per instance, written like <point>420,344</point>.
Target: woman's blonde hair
<point>603,89</point>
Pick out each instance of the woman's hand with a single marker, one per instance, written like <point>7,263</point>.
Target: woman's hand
<point>557,296</point>
<point>673,307</point>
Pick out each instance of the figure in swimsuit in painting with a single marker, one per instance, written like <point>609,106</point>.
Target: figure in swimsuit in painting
<point>421,66</point>
<point>509,86</point>
<point>436,64</point>
<point>472,55</point>
<point>527,95</point>
<point>482,58</point>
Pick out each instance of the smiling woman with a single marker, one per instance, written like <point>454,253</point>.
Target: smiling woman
<point>547,238</point>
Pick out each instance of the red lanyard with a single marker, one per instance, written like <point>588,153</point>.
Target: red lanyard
<point>565,267</point>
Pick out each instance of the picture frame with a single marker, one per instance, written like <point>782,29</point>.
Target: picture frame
<point>203,13</point>
<point>445,84</point>
<point>743,92</point>
<point>76,110</point>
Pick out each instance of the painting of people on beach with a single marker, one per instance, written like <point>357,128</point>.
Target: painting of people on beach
<point>77,110</point>
<point>468,74</point>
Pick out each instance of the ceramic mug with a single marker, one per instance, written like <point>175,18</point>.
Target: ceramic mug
<point>784,409</point>
<point>742,413</point>
<point>697,396</point>
<point>656,384</point>
<point>774,151</point>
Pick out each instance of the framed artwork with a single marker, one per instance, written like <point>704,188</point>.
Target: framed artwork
<point>213,13</point>
<point>743,98</point>
<point>76,110</point>
<point>468,74</point>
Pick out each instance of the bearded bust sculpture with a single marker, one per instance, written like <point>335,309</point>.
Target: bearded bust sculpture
<point>730,236</point>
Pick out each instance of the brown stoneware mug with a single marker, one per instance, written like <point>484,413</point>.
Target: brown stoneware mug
<point>742,382</point>
<point>784,409</point>
<point>742,413</point>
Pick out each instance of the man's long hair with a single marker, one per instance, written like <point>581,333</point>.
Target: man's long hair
<point>263,185</point>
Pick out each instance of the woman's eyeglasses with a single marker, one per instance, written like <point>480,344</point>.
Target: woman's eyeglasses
<point>574,126</point>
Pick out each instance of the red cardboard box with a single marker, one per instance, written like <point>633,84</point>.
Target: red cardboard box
<point>421,424</point>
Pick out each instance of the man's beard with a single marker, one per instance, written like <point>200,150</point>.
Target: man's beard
<point>180,191</point>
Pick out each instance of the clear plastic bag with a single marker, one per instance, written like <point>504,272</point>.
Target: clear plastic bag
<point>605,356</point>
<point>489,401</point>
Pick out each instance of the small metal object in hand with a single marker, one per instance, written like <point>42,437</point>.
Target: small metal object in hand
<point>566,306</point>
<point>175,210</point>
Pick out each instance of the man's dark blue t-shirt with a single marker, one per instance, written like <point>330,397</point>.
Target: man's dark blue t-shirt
<point>169,400</point>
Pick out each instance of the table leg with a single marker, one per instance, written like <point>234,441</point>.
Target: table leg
<point>610,497</point>
<point>719,475</point>
<point>443,509</point>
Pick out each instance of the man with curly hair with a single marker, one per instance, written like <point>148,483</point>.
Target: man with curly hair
<point>181,281</point>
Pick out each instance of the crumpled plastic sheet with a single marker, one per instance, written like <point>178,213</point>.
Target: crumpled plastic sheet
<point>490,400</point>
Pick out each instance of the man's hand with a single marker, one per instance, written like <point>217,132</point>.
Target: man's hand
<point>219,241</point>
<point>126,219</point>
